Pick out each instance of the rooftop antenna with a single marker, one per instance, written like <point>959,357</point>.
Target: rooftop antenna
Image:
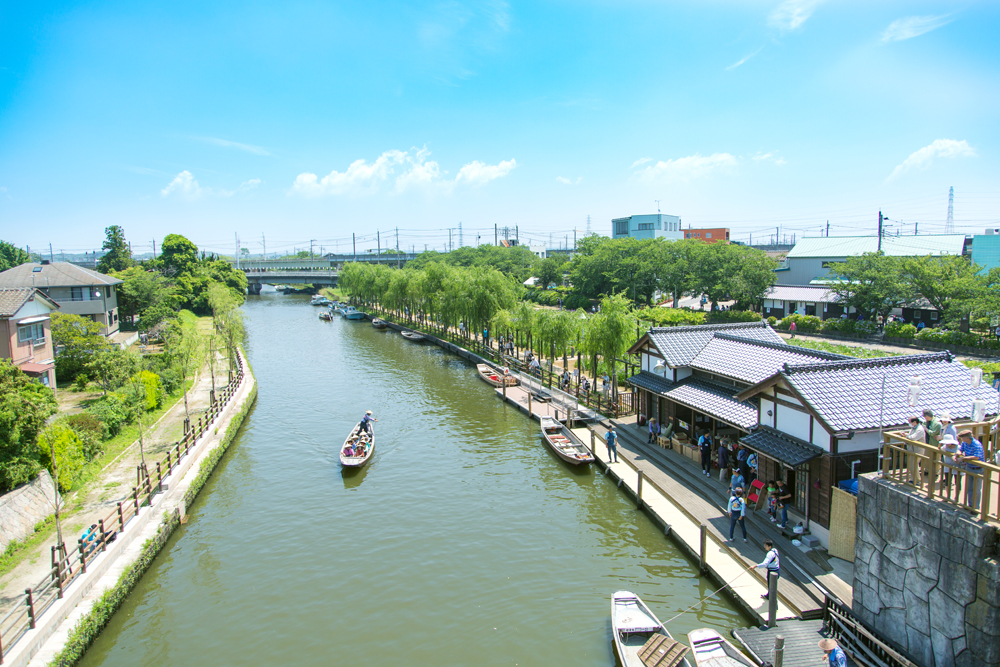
<point>657,206</point>
<point>949,225</point>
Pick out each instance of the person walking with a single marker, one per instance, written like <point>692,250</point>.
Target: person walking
<point>654,431</point>
<point>784,498</point>
<point>612,441</point>
<point>737,514</point>
<point>792,328</point>
<point>971,452</point>
<point>772,562</point>
<point>605,384</point>
<point>723,460</point>
<point>737,482</point>
<point>834,654</point>
<point>705,444</point>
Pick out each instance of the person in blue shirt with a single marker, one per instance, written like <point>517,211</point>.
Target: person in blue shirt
<point>654,431</point>
<point>834,654</point>
<point>366,423</point>
<point>737,508</point>
<point>737,482</point>
<point>612,440</point>
<point>705,444</point>
<point>971,452</point>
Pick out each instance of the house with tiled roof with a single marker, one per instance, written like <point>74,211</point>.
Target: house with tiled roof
<point>79,291</point>
<point>25,336</point>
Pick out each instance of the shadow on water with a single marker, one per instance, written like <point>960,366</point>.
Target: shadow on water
<point>354,476</point>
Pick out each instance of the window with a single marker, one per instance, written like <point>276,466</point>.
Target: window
<point>646,226</point>
<point>934,315</point>
<point>30,332</point>
<point>621,227</point>
<point>76,294</point>
<point>708,235</point>
<point>826,265</point>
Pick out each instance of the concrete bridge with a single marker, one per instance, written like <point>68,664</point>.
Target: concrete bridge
<point>319,277</point>
<point>321,271</point>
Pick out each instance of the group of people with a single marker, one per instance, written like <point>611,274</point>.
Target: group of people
<point>961,453</point>
<point>359,441</point>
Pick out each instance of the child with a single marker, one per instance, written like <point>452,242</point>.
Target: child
<point>772,505</point>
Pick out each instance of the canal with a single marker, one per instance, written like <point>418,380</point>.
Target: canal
<point>463,542</point>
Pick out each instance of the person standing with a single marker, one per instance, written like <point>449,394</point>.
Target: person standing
<point>366,423</point>
<point>612,441</point>
<point>933,427</point>
<point>917,433</point>
<point>784,498</point>
<point>737,482</point>
<point>742,454</point>
<point>772,562</point>
<point>971,452</point>
<point>654,431</point>
<point>951,478</point>
<point>605,384</point>
<point>947,426</point>
<point>834,654</point>
<point>737,514</point>
<point>705,443</point>
<point>792,328</point>
<point>723,460</point>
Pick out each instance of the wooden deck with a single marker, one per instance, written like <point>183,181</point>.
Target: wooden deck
<point>801,643</point>
<point>518,396</point>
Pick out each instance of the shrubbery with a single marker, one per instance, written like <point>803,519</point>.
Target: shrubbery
<point>803,323</point>
<point>91,431</point>
<point>849,326</point>
<point>897,329</point>
<point>726,316</point>
<point>956,338</point>
<point>672,317</point>
<point>113,411</point>
<point>69,455</point>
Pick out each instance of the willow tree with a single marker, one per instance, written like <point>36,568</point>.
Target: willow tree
<point>487,292</point>
<point>610,333</point>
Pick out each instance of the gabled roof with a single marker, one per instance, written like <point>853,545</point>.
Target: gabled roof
<point>801,293</point>
<point>847,395</point>
<point>781,446</point>
<point>750,360</point>
<point>651,382</point>
<point>896,246</point>
<point>715,400</point>
<point>12,298</point>
<point>56,274</point>
<point>680,345</point>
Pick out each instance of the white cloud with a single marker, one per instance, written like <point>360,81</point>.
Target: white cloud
<point>185,186</point>
<point>913,26</point>
<point>411,169</point>
<point>923,158</point>
<point>642,160</point>
<point>568,181</point>
<point>791,14</point>
<point>686,168</point>
<point>770,156</point>
<point>744,59</point>
<point>225,143</point>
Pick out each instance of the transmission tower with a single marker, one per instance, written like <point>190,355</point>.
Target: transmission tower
<point>460,234</point>
<point>949,225</point>
<point>588,225</point>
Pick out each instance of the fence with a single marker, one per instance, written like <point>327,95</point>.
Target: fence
<point>69,563</point>
<point>936,474</point>
<point>863,645</point>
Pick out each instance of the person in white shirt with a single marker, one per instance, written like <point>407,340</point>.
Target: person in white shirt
<point>772,562</point>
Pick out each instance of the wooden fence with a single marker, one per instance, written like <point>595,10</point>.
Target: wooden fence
<point>70,562</point>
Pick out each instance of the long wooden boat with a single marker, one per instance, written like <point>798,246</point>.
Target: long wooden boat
<point>349,457</point>
<point>326,315</point>
<point>379,324</point>
<point>562,441</point>
<point>710,649</point>
<point>493,377</point>
<point>412,336</point>
<point>640,638</point>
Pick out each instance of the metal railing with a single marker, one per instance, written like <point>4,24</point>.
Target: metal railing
<point>70,562</point>
<point>927,469</point>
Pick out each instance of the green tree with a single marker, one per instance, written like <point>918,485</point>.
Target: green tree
<point>227,319</point>
<point>117,256</point>
<point>187,347</point>
<point>111,366</point>
<point>178,255</point>
<point>549,272</point>
<point>610,333</point>
<point>141,290</point>
<point>24,407</point>
<point>11,256</point>
<point>60,442</point>
<point>77,339</point>
<point>872,283</point>
<point>951,283</point>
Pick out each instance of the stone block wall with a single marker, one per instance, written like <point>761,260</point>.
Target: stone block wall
<point>926,577</point>
<point>22,508</point>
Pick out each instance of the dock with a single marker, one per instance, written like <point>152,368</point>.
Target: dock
<point>801,643</point>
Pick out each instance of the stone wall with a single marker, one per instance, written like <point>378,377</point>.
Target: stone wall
<point>22,508</point>
<point>926,577</point>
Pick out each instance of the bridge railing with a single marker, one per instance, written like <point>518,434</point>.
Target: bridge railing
<point>325,262</point>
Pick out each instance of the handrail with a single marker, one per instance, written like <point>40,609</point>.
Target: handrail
<point>38,599</point>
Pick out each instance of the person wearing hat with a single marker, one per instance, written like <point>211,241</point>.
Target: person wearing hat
<point>366,423</point>
<point>834,654</point>
<point>947,426</point>
<point>950,476</point>
<point>611,438</point>
<point>971,452</point>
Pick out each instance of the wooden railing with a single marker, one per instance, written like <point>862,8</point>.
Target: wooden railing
<point>70,561</point>
<point>862,644</point>
<point>925,468</point>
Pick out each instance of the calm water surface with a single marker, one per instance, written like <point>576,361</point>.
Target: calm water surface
<point>463,542</point>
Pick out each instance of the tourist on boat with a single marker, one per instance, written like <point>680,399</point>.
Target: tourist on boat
<point>612,440</point>
<point>772,561</point>
<point>654,431</point>
<point>737,507</point>
<point>834,654</point>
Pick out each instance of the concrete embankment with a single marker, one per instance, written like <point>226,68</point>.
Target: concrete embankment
<point>62,634</point>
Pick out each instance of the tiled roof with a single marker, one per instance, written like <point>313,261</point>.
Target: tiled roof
<point>12,298</point>
<point>749,360</point>
<point>716,401</point>
<point>896,246</point>
<point>680,345</point>
<point>781,446</point>
<point>651,382</point>
<point>848,394</point>
<point>56,274</point>
<point>801,293</point>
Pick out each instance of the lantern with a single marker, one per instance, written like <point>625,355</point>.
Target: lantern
<point>913,393</point>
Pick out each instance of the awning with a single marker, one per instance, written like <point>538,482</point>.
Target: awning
<point>32,320</point>
<point>781,447</point>
<point>651,382</point>
<point>716,401</point>
<point>35,369</point>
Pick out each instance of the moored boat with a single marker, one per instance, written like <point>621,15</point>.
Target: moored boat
<point>326,315</point>
<point>640,638</point>
<point>412,336</point>
<point>319,300</point>
<point>710,649</point>
<point>357,448</point>
<point>379,324</point>
<point>562,441</point>
<point>352,313</point>
<point>496,378</point>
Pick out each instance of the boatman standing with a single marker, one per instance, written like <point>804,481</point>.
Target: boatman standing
<point>612,439</point>
<point>366,423</point>
<point>772,562</point>
<point>834,654</point>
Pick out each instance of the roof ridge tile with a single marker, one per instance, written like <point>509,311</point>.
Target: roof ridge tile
<point>868,363</point>
<point>785,347</point>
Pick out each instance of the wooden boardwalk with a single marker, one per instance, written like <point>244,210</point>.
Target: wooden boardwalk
<point>801,643</point>
<point>518,396</point>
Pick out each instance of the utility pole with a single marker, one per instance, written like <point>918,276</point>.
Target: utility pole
<point>880,231</point>
<point>588,225</point>
<point>517,235</point>
<point>354,242</point>
<point>915,225</point>
<point>154,248</point>
<point>449,239</point>
<point>52,259</point>
<point>574,239</point>
<point>311,241</point>
<point>397,247</point>
<point>263,242</point>
<point>378,240</point>
<point>459,233</point>
<point>827,229</point>
<point>496,235</point>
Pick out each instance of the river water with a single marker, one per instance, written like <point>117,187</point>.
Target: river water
<point>463,542</point>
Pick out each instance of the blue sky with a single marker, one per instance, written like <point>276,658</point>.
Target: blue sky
<point>314,120</point>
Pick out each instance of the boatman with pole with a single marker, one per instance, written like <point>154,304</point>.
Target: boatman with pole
<point>366,423</point>
<point>772,562</point>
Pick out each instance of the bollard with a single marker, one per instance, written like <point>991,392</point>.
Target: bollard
<point>592,449</point>
<point>772,601</point>
<point>638,491</point>
<point>703,548</point>
<point>121,518</point>
<point>529,402</point>
<point>104,536</point>
<point>779,650</point>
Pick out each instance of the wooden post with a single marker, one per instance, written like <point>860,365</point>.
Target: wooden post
<point>779,650</point>
<point>529,402</point>
<point>30,601</point>
<point>135,499</point>
<point>984,505</point>
<point>104,536</point>
<point>83,555</point>
<point>121,518</point>
<point>772,601</point>
<point>57,564</point>
<point>638,491</point>
<point>592,446</point>
<point>703,548</point>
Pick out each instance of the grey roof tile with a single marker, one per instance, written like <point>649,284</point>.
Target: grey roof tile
<point>680,345</point>
<point>801,293</point>
<point>650,381</point>
<point>12,298</point>
<point>848,394</point>
<point>751,360</point>
<point>781,446</point>
<point>56,274</point>
<point>715,400</point>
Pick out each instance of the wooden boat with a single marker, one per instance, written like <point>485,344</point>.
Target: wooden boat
<point>379,324</point>
<point>710,649</point>
<point>640,638</point>
<point>413,336</point>
<point>348,454</point>
<point>562,441</point>
<point>493,377</point>
<point>326,315</point>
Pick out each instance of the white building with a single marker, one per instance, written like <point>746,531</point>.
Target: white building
<point>652,226</point>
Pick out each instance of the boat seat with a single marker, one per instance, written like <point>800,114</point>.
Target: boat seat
<point>662,651</point>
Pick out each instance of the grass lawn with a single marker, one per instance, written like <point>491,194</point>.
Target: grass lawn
<point>848,350</point>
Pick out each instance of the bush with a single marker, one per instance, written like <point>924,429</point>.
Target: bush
<point>725,316</point>
<point>953,338</point>
<point>80,383</point>
<point>69,456</point>
<point>171,380</point>
<point>897,329</point>
<point>849,326</point>
<point>576,301</point>
<point>153,393</point>
<point>91,431</point>
<point>803,323</point>
<point>113,411</point>
<point>672,317</point>
<point>772,321</point>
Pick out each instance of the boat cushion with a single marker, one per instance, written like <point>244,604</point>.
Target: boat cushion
<point>662,651</point>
